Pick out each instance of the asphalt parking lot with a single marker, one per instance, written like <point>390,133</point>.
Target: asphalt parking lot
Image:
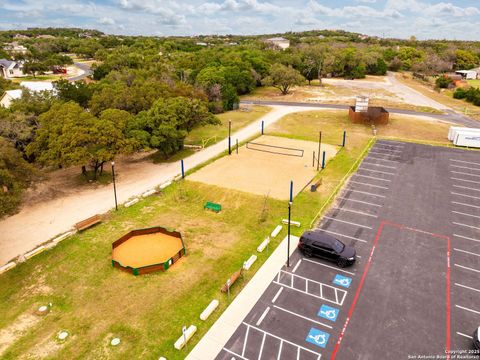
<point>413,214</point>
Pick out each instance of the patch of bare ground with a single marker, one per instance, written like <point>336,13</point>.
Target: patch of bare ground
<point>48,346</point>
<point>17,329</point>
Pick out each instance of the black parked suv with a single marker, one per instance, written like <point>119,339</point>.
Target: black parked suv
<point>322,245</point>
<point>476,339</point>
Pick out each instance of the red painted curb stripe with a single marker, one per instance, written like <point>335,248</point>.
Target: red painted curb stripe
<point>367,267</point>
<point>357,294</point>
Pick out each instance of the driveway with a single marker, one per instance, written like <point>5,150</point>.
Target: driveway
<point>86,71</point>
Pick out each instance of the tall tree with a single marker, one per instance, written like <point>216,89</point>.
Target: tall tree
<point>67,135</point>
<point>283,78</point>
<point>166,124</point>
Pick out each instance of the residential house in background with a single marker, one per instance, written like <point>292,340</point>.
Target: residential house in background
<point>32,86</point>
<point>278,42</point>
<point>15,48</point>
<point>11,69</point>
<point>9,96</point>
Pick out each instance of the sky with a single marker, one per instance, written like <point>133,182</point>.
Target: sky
<point>454,19</point>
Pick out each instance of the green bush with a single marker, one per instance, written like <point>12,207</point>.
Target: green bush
<point>460,93</point>
<point>471,95</point>
<point>443,82</point>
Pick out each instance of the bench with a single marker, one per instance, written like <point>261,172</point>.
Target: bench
<point>85,224</point>
<point>226,287</point>
<point>212,206</point>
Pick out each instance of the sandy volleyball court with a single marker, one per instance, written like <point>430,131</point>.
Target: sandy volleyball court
<point>261,172</point>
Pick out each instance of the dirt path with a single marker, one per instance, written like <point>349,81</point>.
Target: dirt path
<point>42,221</point>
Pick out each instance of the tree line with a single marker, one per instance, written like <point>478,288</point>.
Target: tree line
<point>149,92</point>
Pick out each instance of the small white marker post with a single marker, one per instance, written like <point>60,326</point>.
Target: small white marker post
<point>228,289</point>
<point>184,331</point>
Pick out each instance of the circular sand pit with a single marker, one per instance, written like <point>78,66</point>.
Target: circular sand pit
<point>147,250</point>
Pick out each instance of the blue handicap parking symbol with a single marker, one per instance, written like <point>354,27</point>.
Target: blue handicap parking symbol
<point>317,337</point>
<point>342,280</point>
<point>328,312</point>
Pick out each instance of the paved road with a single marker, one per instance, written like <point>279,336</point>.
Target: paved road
<point>86,72</point>
<point>412,212</point>
<point>450,115</point>
<point>37,224</point>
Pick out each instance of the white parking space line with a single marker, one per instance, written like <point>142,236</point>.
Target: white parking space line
<point>464,167</point>
<point>302,317</point>
<point>263,316</point>
<point>464,173</point>
<point>383,144</point>
<point>235,355</point>
<point>467,268</point>
<point>469,226</point>
<point>465,335</point>
<point>384,154</point>
<point>469,181</point>
<point>466,252</point>
<point>464,214</point>
<point>379,165</point>
<point>277,295</point>
<point>364,192</point>
<point>465,162</point>
<point>380,159</point>
<point>467,309</point>
<point>360,201</point>
<point>374,178</point>
<point>330,267</point>
<point>261,347</point>
<point>467,287</point>
<point>466,238</point>
<point>283,341</point>
<point>466,188</point>
<point>459,203</point>
<point>392,150</point>
<point>318,284</point>
<point>469,196</point>
<point>356,212</point>
<point>375,186</point>
<point>245,342</point>
<point>346,236</point>
<point>377,171</point>
<point>297,265</point>
<point>347,222</point>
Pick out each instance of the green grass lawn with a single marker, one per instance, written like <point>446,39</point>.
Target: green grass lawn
<point>474,83</point>
<point>306,125</point>
<point>215,133</point>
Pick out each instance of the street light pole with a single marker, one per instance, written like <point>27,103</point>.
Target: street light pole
<point>288,237</point>
<point>229,137</point>
<point>114,187</point>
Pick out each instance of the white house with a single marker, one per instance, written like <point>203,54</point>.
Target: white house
<point>11,69</point>
<point>37,86</point>
<point>468,74</point>
<point>280,42</point>
<point>9,96</point>
<point>33,86</point>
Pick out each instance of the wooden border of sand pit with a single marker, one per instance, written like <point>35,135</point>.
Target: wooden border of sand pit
<point>148,268</point>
